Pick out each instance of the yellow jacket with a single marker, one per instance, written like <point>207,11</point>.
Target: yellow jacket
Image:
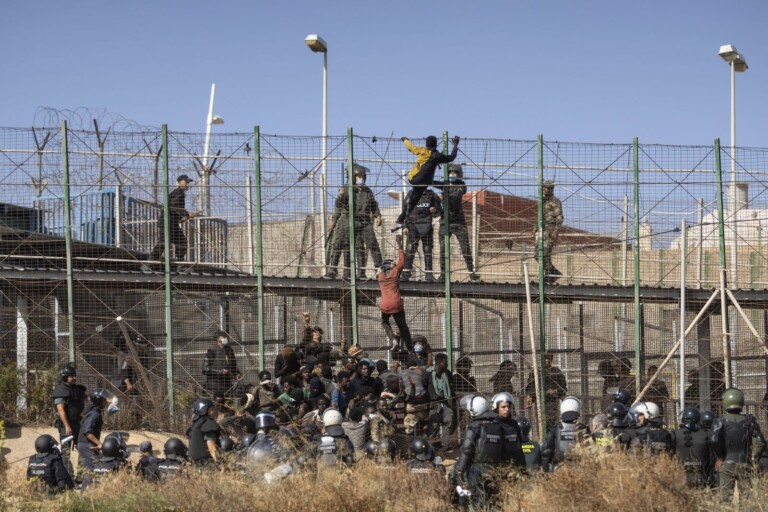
<point>422,156</point>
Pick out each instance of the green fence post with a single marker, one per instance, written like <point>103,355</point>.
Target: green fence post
<point>168,295</point>
<point>259,237</point>
<point>352,234</point>
<point>447,261</point>
<point>542,303</point>
<point>68,241</point>
<point>636,255</point>
<point>721,236</point>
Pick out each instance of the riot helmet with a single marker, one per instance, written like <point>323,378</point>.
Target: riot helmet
<point>422,450</point>
<point>99,397</point>
<point>691,418</point>
<point>360,171</point>
<point>502,397</point>
<point>478,405</point>
<point>617,411</point>
<point>202,405</point>
<point>707,419</point>
<point>66,371</point>
<point>456,169</point>
<point>265,420</point>
<point>246,440</point>
<point>175,446</point>
<point>733,400</point>
<point>227,444</point>
<point>622,395</point>
<point>111,447</point>
<point>654,412</point>
<point>45,444</point>
<point>332,418</point>
<point>524,424</point>
<point>570,409</point>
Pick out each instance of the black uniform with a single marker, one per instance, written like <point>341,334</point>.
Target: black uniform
<point>49,469</point>
<point>655,439</point>
<point>487,443</point>
<point>203,429</point>
<point>147,468</point>
<point>532,452</point>
<point>694,452</point>
<point>101,467</point>
<point>366,208</point>
<point>170,466</point>
<point>561,439</point>
<point>177,212</point>
<point>92,424</point>
<point>73,399</point>
<point>453,194</point>
<point>420,229</point>
<point>217,383</point>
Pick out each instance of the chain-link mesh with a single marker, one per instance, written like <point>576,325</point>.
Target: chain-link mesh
<point>627,209</point>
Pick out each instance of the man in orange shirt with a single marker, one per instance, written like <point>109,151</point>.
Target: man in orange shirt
<point>391,304</point>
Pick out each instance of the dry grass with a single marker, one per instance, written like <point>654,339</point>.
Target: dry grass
<point>594,481</point>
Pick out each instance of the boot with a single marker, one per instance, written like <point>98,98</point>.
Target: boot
<point>428,277</point>
<point>405,276</point>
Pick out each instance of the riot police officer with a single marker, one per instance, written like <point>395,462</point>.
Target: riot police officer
<point>332,447</point>
<point>420,229</point>
<point>619,429</point>
<point>565,435</point>
<point>481,450</point>
<point>531,448</point>
<point>175,458</point>
<point>204,433</point>
<point>733,437</point>
<point>89,439</point>
<point>692,448</point>
<point>382,453</point>
<point>47,466</point>
<point>453,194</point>
<point>503,405</point>
<point>424,460</point>
<point>652,435</point>
<point>114,457</point>
<point>68,403</point>
<point>266,448</point>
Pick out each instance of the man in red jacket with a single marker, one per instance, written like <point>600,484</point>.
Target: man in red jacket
<point>391,302</point>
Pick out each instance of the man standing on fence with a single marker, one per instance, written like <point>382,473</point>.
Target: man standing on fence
<point>553,220</point>
<point>177,213</point>
<point>367,216</point>
<point>453,198</point>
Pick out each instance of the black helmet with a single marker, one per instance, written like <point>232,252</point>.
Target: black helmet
<point>387,449</point>
<point>733,400</point>
<point>246,440</point>
<point>175,446</point>
<point>66,371</point>
<point>227,444</point>
<point>45,444</point>
<point>99,397</point>
<point>421,449</point>
<point>457,169</point>
<point>618,413</point>
<point>201,406</point>
<point>707,419</point>
<point>360,170</point>
<point>690,418</point>
<point>525,425</point>
<point>265,420</point>
<point>622,395</point>
<point>111,448</point>
<point>371,448</point>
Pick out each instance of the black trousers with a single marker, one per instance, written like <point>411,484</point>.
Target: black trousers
<point>402,325</point>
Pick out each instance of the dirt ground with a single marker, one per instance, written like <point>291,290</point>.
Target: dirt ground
<point>19,445</point>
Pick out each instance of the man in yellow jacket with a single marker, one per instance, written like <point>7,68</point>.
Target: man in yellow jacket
<point>422,175</point>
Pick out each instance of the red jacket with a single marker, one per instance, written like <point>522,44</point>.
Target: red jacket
<point>389,283</point>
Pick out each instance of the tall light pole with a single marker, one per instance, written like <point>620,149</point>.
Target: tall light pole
<point>205,199</point>
<point>318,45</point>
<point>737,63</point>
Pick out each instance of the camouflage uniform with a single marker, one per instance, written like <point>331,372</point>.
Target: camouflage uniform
<point>339,238</point>
<point>366,209</point>
<point>553,220</point>
<point>457,223</point>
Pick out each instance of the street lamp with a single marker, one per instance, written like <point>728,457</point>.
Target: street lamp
<point>318,45</point>
<point>737,63</point>
<point>210,120</point>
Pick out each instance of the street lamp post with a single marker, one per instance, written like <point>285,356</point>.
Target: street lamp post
<point>318,45</point>
<point>205,196</point>
<point>737,63</point>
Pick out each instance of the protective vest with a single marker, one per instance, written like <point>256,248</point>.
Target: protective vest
<point>421,467</point>
<point>74,403</point>
<point>734,433</point>
<point>147,468</point>
<point>198,448</point>
<point>332,450</point>
<point>454,192</point>
<point>622,437</point>
<point>41,466</point>
<point>601,439</point>
<point>168,468</point>
<point>693,450</point>
<point>101,468</point>
<point>490,443</point>
<point>659,440</point>
<point>567,436</point>
<point>532,452</point>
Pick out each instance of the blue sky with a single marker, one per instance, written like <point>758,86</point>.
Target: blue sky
<point>597,71</point>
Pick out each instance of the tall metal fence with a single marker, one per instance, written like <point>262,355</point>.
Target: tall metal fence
<point>649,231</point>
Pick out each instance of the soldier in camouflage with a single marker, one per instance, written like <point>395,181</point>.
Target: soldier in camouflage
<point>366,210</point>
<point>453,194</point>
<point>338,240</point>
<point>553,221</point>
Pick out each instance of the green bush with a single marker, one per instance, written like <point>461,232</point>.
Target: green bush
<point>38,392</point>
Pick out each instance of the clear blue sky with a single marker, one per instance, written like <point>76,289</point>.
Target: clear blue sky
<point>593,71</point>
